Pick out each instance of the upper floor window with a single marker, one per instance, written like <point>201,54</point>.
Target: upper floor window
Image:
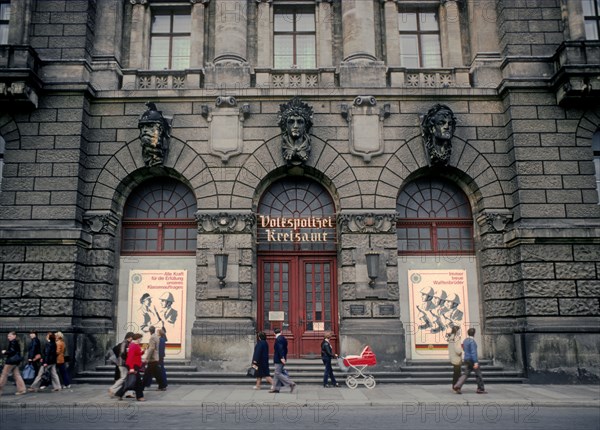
<point>419,39</point>
<point>591,16</point>
<point>434,216</point>
<point>294,38</point>
<point>170,37</point>
<point>159,219</point>
<point>4,20</point>
<point>596,149</point>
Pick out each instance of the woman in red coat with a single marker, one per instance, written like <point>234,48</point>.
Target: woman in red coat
<point>134,363</point>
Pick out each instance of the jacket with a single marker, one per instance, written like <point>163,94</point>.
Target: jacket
<point>134,356</point>
<point>280,349</point>
<point>454,350</point>
<point>60,351</point>
<point>13,351</point>
<point>50,353</point>
<point>470,347</point>
<point>152,351</point>
<point>326,351</point>
<point>35,348</point>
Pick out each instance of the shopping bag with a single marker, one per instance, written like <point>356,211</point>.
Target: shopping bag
<point>28,372</point>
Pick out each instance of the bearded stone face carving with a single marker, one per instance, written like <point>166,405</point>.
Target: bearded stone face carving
<point>437,128</point>
<point>295,121</point>
<point>154,134</point>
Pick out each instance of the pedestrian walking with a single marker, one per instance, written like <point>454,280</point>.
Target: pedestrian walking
<point>326,355</point>
<point>455,352</point>
<point>280,350</point>
<point>471,364</point>
<point>260,359</point>
<point>11,364</point>
<point>153,367</point>
<point>134,364</point>
<point>48,365</point>
<point>120,351</point>
<point>61,363</point>
<point>34,351</point>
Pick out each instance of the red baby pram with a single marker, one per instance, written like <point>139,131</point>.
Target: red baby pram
<point>358,363</point>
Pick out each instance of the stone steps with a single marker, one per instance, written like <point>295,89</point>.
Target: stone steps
<point>311,372</point>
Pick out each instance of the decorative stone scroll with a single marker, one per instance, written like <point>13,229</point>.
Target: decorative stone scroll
<point>498,221</point>
<point>437,129</point>
<point>295,120</point>
<point>221,222</point>
<point>371,222</point>
<point>365,124</point>
<point>226,126</point>
<point>100,222</point>
<point>154,134</point>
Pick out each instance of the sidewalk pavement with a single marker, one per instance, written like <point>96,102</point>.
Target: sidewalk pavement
<point>389,395</point>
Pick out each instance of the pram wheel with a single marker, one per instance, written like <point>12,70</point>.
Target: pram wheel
<point>351,382</point>
<point>370,382</point>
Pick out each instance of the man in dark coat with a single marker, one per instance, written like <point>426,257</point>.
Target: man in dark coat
<point>280,351</point>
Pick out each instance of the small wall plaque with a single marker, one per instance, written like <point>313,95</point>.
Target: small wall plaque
<point>357,309</point>
<point>386,309</point>
<point>276,316</point>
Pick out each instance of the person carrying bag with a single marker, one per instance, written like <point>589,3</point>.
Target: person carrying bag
<point>11,364</point>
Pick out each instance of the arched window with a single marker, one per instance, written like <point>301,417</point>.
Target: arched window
<point>596,149</point>
<point>434,216</point>
<point>159,219</point>
<point>303,200</point>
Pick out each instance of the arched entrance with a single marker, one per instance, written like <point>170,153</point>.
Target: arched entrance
<point>437,265</point>
<point>158,263</point>
<point>297,285</point>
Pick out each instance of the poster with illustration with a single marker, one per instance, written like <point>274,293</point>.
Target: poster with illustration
<point>438,302</point>
<point>158,298</point>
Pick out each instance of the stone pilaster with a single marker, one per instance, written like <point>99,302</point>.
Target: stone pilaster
<point>197,36</point>
<point>264,34</point>
<point>224,314</point>
<point>450,34</point>
<point>360,66</point>
<point>324,20</point>
<point>392,40</point>
<point>139,38</point>
<point>366,308</point>
<point>229,67</point>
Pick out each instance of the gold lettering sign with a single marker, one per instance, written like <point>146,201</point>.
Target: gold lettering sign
<point>287,229</point>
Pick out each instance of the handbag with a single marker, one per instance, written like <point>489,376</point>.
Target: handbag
<point>130,382</point>
<point>46,379</point>
<point>251,372</point>
<point>28,371</point>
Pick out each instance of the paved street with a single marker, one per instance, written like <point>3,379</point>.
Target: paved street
<point>387,406</point>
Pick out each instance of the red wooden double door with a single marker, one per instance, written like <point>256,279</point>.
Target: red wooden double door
<point>298,294</point>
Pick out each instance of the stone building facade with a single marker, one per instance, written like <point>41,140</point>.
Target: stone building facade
<point>256,164</point>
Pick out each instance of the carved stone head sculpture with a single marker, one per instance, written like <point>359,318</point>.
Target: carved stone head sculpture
<point>295,121</point>
<point>154,134</point>
<point>437,128</point>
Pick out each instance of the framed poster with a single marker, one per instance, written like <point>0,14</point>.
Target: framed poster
<point>158,298</point>
<point>438,302</point>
